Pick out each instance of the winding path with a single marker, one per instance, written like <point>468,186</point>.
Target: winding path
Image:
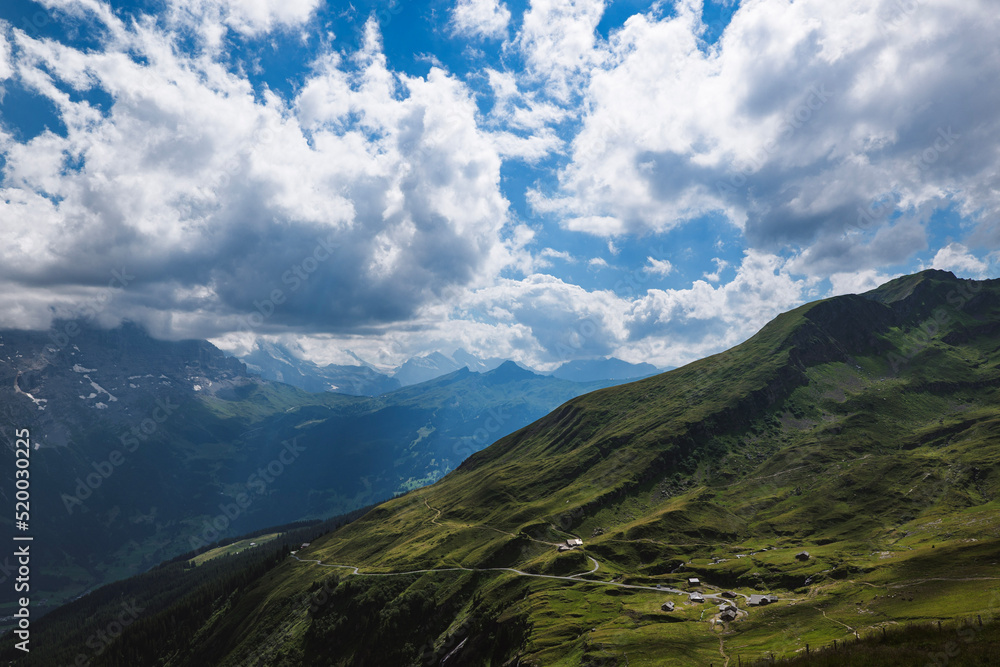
<point>575,578</point>
<point>596,566</point>
<point>436,516</point>
<point>834,620</point>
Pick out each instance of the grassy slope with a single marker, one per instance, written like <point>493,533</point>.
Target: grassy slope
<point>886,478</point>
<point>838,429</point>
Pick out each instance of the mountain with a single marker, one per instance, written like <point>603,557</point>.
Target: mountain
<point>427,367</point>
<point>275,362</point>
<point>845,459</point>
<point>585,370</point>
<point>145,449</point>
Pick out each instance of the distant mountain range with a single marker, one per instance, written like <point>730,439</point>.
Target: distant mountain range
<point>273,361</point>
<point>844,460</point>
<point>144,448</point>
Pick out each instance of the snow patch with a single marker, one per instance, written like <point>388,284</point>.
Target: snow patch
<point>100,406</point>
<point>197,387</point>
<point>37,401</point>
<point>77,368</point>
<point>100,390</point>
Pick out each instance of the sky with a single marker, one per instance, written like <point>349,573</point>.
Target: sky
<point>539,181</point>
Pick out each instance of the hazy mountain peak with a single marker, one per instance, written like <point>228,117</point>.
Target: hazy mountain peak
<point>610,368</point>
<point>509,371</point>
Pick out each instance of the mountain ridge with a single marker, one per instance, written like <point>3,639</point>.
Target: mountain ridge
<point>806,438</point>
<point>129,483</point>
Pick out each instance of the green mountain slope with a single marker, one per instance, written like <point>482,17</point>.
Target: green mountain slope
<point>146,449</point>
<point>864,430</point>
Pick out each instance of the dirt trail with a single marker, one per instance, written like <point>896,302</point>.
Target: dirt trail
<point>436,516</point>
<point>834,620</point>
<point>722,652</point>
<point>571,578</point>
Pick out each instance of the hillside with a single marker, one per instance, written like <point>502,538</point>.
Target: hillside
<point>862,430</point>
<point>145,449</point>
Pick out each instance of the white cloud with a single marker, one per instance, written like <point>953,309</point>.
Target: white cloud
<point>558,39</point>
<point>481,18</point>
<point>247,17</point>
<point>659,267</point>
<point>552,253</point>
<point>856,282</point>
<point>523,119</point>
<point>213,192</point>
<point>6,67</point>
<point>801,117</point>
<point>531,148</point>
<point>557,321</point>
<point>720,265</point>
<point>597,225</point>
<point>190,181</point>
<point>956,257</point>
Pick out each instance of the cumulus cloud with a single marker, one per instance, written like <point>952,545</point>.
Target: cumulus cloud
<point>557,321</point>
<point>856,282</point>
<point>795,125</point>
<point>212,18</point>
<point>720,265</point>
<point>366,196</point>
<point>363,213</point>
<point>658,267</point>
<point>558,40</point>
<point>481,18</point>
<point>956,257</point>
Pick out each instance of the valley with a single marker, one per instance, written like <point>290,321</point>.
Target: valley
<point>841,497</point>
<point>147,449</point>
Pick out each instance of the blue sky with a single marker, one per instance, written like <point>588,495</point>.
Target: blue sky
<point>530,180</point>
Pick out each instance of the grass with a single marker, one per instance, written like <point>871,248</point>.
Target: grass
<point>234,548</point>
<point>802,438</point>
